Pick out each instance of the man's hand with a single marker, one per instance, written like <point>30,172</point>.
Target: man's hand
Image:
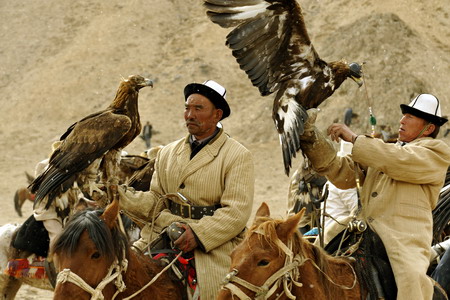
<point>341,131</point>
<point>186,242</point>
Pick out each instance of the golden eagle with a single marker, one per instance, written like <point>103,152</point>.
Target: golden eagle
<point>271,44</point>
<point>100,135</point>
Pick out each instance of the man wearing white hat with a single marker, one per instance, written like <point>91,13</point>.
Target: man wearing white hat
<point>204,184</point>
<point>400,185</point>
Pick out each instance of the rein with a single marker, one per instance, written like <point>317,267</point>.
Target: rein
<point>284,276</point>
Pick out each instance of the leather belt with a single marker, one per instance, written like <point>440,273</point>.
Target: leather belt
<point>195,212</point>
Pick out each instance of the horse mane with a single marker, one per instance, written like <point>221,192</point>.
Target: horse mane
<point>300,246</point>
<point>110,243</point>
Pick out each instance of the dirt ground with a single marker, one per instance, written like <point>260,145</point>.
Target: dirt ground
<point>61,60</point>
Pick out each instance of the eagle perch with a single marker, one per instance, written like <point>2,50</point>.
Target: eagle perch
<point>270,42</point>
<point>101,135</point>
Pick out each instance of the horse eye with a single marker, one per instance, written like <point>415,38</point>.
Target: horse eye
<point>263,263</point>
<point>95,255</point>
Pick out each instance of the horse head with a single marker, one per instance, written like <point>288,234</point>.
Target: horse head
<point>274,261</point>
<point>260,255</point>
<point>86,252</point>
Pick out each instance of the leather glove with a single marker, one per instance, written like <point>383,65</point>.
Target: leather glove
<point>308,135</point>
<point>187,241</point>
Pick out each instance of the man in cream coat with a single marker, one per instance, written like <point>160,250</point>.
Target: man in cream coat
<point>400,185</point>
<point>204,181</point>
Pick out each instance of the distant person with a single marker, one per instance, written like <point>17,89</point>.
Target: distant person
<point>348,114</point>
<point>340,203</point>
<point>146,135</point>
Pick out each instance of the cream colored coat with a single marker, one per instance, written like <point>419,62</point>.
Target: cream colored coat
<point>400,187</point>
<point>221,173</point>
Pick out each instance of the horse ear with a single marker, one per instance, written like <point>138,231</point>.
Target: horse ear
<point>262,213</point>
<point>111,213</point>
<point>263,210</point>
<point>288,227</point>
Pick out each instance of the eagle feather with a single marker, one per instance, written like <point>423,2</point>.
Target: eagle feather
<point>103,132</point>
<point>270,43</point>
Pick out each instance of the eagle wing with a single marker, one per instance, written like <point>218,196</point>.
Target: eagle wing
<point>83,143</point>
<point>271,44</point>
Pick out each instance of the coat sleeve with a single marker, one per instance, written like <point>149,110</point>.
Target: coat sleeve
<point>143,205</point>
<point>421,162</point>
<point>236,201</point>
<point>341,171</point>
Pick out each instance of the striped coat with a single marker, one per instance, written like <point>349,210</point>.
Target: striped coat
<point>400,188</point>
<point>221,173</point>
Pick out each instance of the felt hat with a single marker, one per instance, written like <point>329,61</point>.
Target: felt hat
<point>427,107</point>
<point>211,90</point>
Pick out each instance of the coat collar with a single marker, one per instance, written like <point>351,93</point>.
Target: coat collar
<point>207,154</point>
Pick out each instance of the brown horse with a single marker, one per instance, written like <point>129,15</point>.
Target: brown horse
<point>275,262</point>
<point>94,259</point>
<point>22,195</point>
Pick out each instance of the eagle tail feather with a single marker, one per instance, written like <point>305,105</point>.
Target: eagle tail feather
<point>290,135</point>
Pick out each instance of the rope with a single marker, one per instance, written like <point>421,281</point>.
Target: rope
<point>372,119</point>
<point>154,278</point>
<point>284,274</point>
<point>67,275</point>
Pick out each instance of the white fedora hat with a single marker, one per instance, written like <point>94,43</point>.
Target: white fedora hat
<point>427,107</point>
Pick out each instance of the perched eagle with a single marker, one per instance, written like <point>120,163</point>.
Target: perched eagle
<point>271,44</point>
<point>99,136</point>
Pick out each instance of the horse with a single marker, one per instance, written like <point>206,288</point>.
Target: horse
<point>94,259</point>
<point>274,260</point>
<point>20,196</point>
<point>23,194</point>
<point>10,285</point>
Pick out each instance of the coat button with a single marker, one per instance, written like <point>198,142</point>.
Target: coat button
<point>182,186</point>
<point>374,194</point>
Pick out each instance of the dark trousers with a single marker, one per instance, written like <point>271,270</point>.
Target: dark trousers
<point>442,272</point>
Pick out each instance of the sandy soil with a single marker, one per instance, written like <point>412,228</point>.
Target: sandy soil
<point>61,60</point>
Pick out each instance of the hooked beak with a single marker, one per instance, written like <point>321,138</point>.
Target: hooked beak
<point>356,73</point>
<point>147,82</point>
<point>358,80</point>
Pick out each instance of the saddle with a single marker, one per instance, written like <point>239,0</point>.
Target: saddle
<point>372,263</point>
<point>30,248</point>
<point>162,250</point>
<point>32,237</point>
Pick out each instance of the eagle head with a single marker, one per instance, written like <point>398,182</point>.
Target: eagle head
<point>356,73</point>
<point>138,82</point>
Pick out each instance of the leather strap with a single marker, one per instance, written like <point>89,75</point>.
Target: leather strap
<point>192,211</point>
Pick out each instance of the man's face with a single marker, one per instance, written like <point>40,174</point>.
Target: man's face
<point>410,127</point>
<point>201,116</point>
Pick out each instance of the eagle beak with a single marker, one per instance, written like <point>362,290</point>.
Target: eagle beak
<point>358,80</point>
<point>148,82</point>
<point>356,73</point>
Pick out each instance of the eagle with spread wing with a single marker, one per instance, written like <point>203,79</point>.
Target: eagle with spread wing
<point>99,136</point>
<point>270,42</point>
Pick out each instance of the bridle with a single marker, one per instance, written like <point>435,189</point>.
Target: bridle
<point>286,276</point>
<point>114,274</point>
